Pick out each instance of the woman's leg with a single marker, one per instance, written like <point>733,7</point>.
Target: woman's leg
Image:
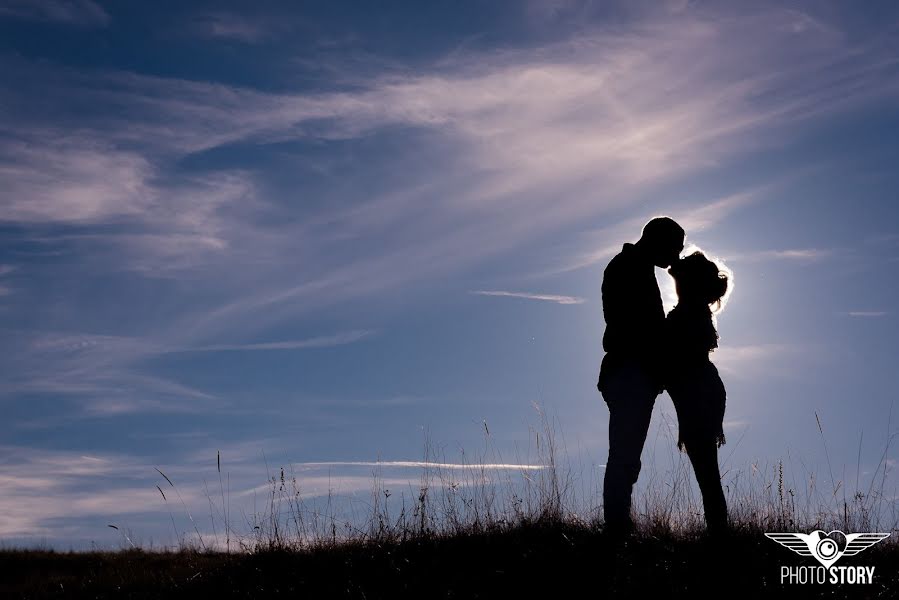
<point>704,456</point>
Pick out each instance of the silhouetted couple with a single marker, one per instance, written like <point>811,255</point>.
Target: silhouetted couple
<point>647,352</point>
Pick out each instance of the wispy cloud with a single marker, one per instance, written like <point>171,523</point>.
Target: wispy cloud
<point>867,313</point>
<point>317,342</point>
<point>62,494</point>
<point>516,122</point>
<point>42,486</point>
<point>752,360</point>
<point>101,370</point>
<point>409,464</point>
<point>734,424</point>
<point>522,143</point>
<point>72,179</point>
<point>504,147</point>
<point>593,246</point>
<point>73,12</point>
<point>245,28</point>
<point>5,290</point>
<point>530,296</point>
<point>107,372</point>
<point>709,214</point>
<point>800,254</point>
<point>316,479</point>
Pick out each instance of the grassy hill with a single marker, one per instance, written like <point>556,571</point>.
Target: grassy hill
<point>467,539</point>
<point>548,559</point>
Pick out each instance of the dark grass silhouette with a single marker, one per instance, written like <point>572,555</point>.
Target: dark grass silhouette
<point>479,537</point>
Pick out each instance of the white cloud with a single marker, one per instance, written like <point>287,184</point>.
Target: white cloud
<point>318,479</point>
<point>76,180</point>
<point>410,464</point>
<point>605,104</point>
<point>521,143</point>
<point>593,246</point>
<point>730,424</point>
<point>105,372</point>
<point>242,28</point>
<point>317,342</point>
<point>867,313</point>
<point>752,360</point>
<point>797,254</point>
<point>45,485</point>
<point>530,296</point>
<point>710,214</point>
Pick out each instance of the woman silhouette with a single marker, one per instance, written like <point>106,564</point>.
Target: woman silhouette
<point>692,380</point>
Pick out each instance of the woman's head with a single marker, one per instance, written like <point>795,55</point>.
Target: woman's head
<point>699,279</point>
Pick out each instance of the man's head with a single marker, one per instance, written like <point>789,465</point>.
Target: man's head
<point>662,240</point>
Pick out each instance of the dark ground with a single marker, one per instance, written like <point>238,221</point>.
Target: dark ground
<point>534,561</point>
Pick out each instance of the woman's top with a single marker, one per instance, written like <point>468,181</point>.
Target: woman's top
<point>690,335</point>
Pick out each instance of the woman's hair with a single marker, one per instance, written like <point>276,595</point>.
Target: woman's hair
<point>698,277</point>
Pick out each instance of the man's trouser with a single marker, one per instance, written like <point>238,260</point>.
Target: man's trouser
<point>630,394</point>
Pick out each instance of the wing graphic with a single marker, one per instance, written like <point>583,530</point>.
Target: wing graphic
<point>800,543</point>
<point>856,542</point>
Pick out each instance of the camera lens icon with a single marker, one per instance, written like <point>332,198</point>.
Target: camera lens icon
<point>827,548</point>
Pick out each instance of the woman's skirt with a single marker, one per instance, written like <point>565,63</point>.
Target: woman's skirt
<point>699,398</point>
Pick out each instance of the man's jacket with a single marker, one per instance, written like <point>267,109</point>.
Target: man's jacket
<point>635,319</point>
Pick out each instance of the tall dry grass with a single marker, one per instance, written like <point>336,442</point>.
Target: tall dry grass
<point>547,490</point>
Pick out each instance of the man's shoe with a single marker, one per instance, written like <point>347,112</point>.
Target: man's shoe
<point>619,530</point>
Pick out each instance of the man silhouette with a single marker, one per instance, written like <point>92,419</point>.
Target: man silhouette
<point>630,377</point>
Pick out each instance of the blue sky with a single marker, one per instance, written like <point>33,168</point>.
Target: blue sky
<point>328,234</point>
